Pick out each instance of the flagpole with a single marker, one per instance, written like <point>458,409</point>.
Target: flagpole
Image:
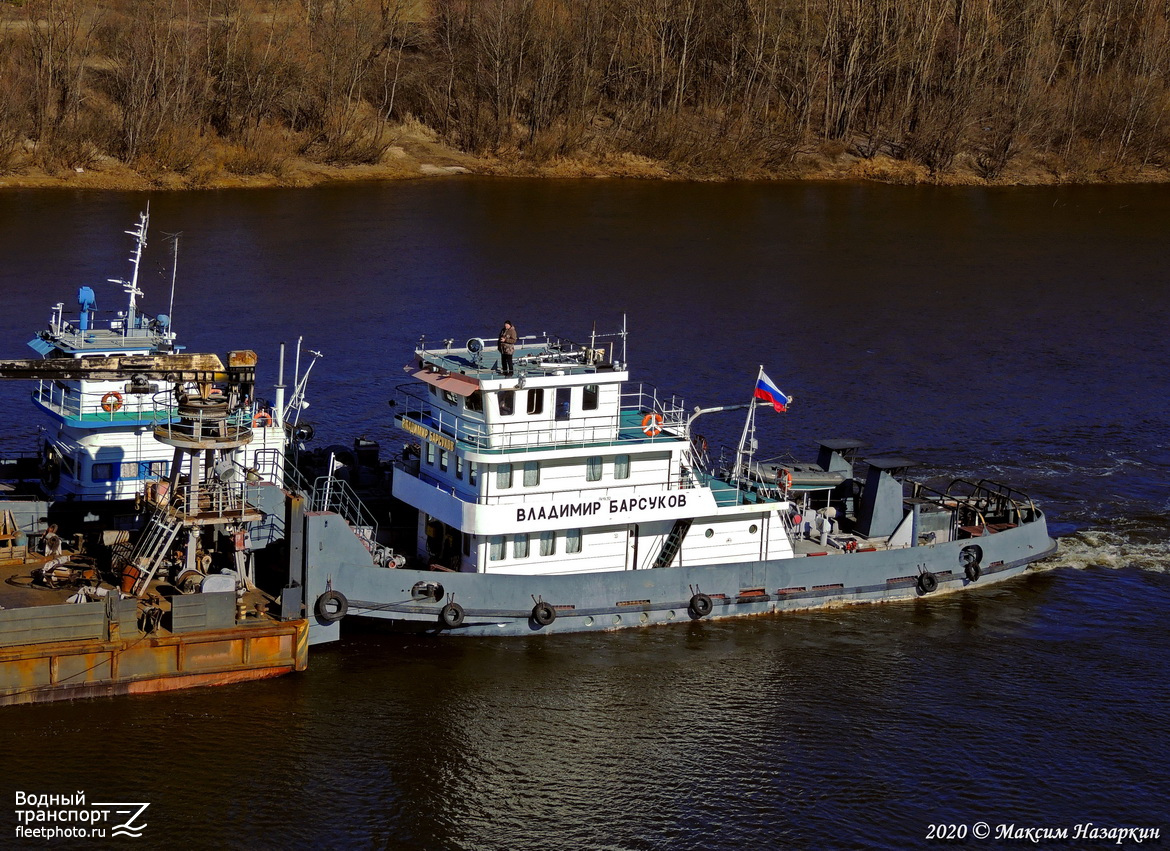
<point>747,440</point>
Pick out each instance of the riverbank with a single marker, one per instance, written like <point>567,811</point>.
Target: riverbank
<point>414,152</point>
<point>411,163</point>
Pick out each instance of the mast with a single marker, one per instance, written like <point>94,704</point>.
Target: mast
<point>747,441</point>
<point>131,286</point>
<point>170,329</point>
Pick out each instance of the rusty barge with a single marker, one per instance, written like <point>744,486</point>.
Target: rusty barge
<point>141,547</point>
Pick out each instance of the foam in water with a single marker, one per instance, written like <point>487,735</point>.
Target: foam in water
<point>1114,550</point>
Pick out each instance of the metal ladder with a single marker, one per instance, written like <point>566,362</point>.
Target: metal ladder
<point>152,547</point>
<point>673,542</point>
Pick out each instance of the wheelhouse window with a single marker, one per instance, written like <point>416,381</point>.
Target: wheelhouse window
<point>459,466</point>
<point>450,398</point>
<point>589,397</point>
<point>472,473</point>
<point>621,466</point>
<point>535,402</point>
<point>531,474</point>
<point>504,476</point>
<point>102,472</point>
<point>548,543</point>
<point>573,541</point>
<point>564,395</point>
<point>593,469</point>
<point>507,402</point>
<point>443,455</point>
<point>520,545</point>
<point>430,453</point>
<point>475,401</point>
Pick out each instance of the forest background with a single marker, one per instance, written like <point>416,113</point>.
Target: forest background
<point>190,93</point>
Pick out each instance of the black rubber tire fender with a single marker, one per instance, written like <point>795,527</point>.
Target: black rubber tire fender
<point>700,605</point>
<point>927,582</point>
<point>451,615</point>
<point>543,613</point>
<point>332,606</point>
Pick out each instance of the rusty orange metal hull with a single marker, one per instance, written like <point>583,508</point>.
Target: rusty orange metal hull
<point>67,670</point>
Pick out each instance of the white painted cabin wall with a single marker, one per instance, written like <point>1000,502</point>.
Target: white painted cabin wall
<point>602,549</point>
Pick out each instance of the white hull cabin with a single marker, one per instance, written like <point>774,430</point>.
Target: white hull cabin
<point>563,468</point>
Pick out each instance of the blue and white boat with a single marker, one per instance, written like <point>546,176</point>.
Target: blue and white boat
<point>565,498</point>
<point>100,443</point>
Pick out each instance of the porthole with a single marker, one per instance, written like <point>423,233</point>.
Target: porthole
<point>588,621</point>
<point>617,619</point>
<point>753,529</point>
<point>710,533</point>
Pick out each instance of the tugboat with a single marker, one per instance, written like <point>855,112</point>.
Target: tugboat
<point>563,498</point>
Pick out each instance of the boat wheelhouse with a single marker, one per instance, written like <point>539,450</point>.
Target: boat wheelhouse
<point>567,468</point>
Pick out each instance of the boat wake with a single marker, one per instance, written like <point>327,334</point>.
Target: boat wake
<point>1110,549</point>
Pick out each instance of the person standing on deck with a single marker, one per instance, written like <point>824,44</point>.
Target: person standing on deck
<point>507,346</point>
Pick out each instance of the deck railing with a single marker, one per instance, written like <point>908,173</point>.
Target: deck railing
<point>110,406</point>
<point>668,422</point>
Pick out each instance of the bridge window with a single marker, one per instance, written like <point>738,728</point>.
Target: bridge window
<point>535,401</point>
<point>504,476</point>
<point>589,399</point>
<point>475,401</point>
<point>593,469</point>
<point>573,541</point>
<point>450,398</point>
<point>507,402</point>
<point>472,473</point>
<point>531,474</point>
<point>548,543</point>
<point>621,466</point>
<point>520,545</point>
<point>564,394</point>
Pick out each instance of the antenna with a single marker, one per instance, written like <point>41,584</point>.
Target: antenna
<point>174,238</point>
<point>625,358</point>
<point>131,286</point>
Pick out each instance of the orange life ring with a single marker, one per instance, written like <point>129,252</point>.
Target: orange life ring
<point>261,418</point>
<point>787,476</point>
<point>652,425</point>
<point>112,401</point>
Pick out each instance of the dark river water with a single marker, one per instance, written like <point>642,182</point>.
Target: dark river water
<point>1018,334</point>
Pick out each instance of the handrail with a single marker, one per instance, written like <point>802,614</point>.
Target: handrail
<point>521,433</point>
<point>996,491</point>
<point>332,494</point>
<point>67,401</point>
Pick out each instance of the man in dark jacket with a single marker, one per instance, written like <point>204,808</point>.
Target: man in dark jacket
<point>507,346</point>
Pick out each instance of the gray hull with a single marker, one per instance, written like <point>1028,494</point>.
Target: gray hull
<point>498,605</point>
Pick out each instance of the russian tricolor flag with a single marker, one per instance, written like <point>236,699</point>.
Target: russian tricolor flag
<point>768,392</point>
